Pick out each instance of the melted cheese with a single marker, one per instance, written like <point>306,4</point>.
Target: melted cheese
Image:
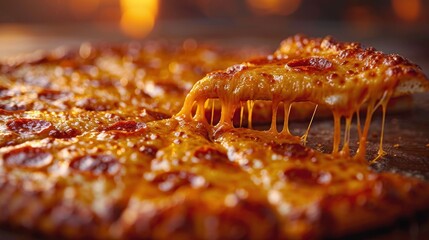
<point>250,104</point>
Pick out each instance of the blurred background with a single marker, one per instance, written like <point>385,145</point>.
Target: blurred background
<point>400,26</point>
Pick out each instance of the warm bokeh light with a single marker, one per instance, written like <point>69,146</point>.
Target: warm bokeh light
<point>138,17</point>
<point>83,7</point>
<point>407,10</point>
<point>280,7</point>
<point>361,18</point>
<point>219,8</point>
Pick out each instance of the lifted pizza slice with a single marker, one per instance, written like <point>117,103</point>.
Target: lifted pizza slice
<point>341,77</point>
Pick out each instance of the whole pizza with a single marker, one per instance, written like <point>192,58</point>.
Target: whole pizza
<point>161,140</point>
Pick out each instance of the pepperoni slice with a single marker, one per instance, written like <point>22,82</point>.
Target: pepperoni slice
<point>213,157</point>
<point>96,164</point>
<point>156,115</point>
<point>29,126</point>
<point>310,64</point>
<point>69,132</point>
<point>51,95</point>
<point>3,91</point>
<point>306,176</point>
<point>15,106</point>
<point>293,150</point>
<point>127,126</point>
<point>28,157</point>
<point>171,181</point>
<point>92,104</point>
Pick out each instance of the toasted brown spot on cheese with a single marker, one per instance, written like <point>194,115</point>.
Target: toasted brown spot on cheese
<point>172,181</point>
<point>127,126</point>
<point>310,64</point>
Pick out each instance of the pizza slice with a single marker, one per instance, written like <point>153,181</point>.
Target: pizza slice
<point>341,77</point>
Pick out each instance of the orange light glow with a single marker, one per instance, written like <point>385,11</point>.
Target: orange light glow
<point>138,17</point>
<point>361,18</point>
<point>407,10</point>
<point>279,7</point>
<point>83,8</point>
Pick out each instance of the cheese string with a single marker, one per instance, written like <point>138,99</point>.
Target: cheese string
<point>383,102</point>
<point>372,107</point>
<point>359,127</point>
<point>227,113</point>
<point>287,107</point>
<point>337,132</point>
<point>250,104</point>
<point>361,152</point>
<point>241,113</point>
<point>275,105</point>
<point>305,135</point>
<point>346,143</point>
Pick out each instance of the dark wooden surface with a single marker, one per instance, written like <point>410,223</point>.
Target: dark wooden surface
<point>406,139</point>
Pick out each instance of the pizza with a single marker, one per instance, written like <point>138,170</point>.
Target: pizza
<point>120,155</point>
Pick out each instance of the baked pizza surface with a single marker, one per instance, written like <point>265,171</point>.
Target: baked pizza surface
<point>131,170</point>
<point>155,75</point>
